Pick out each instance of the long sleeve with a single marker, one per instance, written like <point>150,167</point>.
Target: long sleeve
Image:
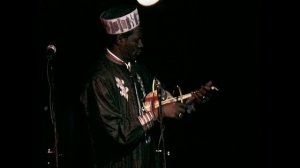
<point>115,116</point>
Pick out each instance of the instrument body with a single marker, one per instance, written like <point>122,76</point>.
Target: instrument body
<point>151,99</point>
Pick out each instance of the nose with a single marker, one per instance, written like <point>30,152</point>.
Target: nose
<point>140,44</point>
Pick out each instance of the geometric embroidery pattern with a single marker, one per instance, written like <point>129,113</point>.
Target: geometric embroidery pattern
<point>123,89</point>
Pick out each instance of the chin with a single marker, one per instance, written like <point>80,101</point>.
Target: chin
<point>133,59</point>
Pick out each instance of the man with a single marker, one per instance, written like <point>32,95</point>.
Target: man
<point>121,126</point>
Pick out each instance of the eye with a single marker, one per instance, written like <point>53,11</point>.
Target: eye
<point>136,40</point>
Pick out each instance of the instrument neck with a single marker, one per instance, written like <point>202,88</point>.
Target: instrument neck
<point>174,99</point>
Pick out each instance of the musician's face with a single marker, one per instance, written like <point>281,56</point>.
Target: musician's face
<point>132,45</point>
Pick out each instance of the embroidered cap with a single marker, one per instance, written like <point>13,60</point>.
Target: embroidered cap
<point>121,24</point>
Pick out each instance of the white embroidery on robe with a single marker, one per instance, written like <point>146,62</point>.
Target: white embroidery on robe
<point>142,85</point>
<point>123,89</point>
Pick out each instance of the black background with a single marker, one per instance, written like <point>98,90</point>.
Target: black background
<point>186,43</point>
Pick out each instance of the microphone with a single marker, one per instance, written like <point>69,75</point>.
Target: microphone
<point>51,50</point>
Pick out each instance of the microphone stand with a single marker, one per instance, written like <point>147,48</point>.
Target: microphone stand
<point>160,118</point>
<point>52,112</point>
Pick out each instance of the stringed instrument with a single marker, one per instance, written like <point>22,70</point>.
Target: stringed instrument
<point>151,99</point>
<point>152,102</point>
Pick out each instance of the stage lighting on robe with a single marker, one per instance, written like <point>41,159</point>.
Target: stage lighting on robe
<point>147,2</point>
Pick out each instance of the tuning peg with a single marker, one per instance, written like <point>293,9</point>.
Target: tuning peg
<point>214,88</point>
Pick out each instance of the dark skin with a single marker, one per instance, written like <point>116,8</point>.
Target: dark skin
<point>128,48</point>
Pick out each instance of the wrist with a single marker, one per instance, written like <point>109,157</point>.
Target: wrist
<point>147,120</point>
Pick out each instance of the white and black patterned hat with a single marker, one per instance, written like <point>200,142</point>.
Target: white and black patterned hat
<point>121,24</point>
